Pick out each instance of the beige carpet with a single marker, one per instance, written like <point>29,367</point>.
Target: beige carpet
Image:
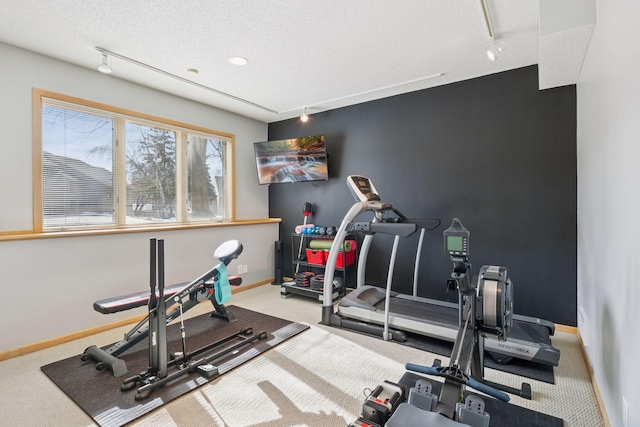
<point>315,379</point>
<point>297,384</point>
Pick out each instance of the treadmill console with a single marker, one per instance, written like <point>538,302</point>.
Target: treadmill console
<point>362,188</point>
<point>456,240</point>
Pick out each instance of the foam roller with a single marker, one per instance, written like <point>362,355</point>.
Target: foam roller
<point>299,228</point>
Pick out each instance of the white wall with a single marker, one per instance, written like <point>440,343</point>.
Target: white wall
<point>608,137</point>
<point>49,285</point>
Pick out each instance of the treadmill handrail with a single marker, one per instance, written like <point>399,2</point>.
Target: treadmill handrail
<point>403,229</point>
<point>338,240</point>
<point>355,210</point>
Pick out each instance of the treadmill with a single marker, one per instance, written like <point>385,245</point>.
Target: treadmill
<point>378,311</point>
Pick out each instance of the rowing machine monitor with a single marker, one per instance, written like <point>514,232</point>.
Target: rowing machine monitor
<point>456,240</point>
<point>456,245</point>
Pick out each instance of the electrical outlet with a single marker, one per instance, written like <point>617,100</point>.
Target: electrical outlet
<point>625,413</point>
<point>239,269</point>
<point>246,268</point>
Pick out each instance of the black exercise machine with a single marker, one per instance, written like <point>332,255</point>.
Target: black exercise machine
<point>188,294</point>
<point>158,373</point>
<point>485,308</point>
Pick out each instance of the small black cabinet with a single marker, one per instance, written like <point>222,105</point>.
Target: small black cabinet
<point>314,266</point>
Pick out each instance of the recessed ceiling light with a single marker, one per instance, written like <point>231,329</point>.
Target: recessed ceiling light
<point>238,60</point>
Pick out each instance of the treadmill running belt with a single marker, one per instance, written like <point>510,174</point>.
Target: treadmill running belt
<point>449,316</point>
<point>435,313</point>
<point>446,315</point>
<point>367,305</point>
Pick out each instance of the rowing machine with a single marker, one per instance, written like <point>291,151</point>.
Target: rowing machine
<point>484,309</point>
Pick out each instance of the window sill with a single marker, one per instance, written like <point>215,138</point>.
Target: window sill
<point>28,235</point>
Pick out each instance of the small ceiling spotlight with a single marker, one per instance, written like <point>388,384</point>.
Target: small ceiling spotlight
<point>304,117</point>
<point>103,63</point>
<point>495,50</point>
<point>496,46</point>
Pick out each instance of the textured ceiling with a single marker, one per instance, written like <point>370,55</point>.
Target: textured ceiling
<point>320,54</point>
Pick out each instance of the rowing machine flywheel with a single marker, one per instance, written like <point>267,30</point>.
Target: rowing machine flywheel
<point>494,302</point>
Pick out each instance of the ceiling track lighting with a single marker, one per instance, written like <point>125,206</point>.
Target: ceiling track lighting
<point>487,18</point>
<point>496,46</point>
<point>304,117</point>
<point>495,49</point>
<point>317,105</point>
<point>106,52</point>
<point>103,63</point>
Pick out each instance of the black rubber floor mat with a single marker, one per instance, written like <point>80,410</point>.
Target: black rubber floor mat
<point>98,392</point>
<point>502,414</point>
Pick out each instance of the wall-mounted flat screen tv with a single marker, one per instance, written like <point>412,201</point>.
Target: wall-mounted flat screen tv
<point>291,160</point>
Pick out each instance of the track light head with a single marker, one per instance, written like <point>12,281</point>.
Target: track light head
<point>495,50</point>
<point>304,117</point>
<point>103,64</point>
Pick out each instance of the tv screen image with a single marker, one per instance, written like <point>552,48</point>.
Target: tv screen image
<point>291,160</point>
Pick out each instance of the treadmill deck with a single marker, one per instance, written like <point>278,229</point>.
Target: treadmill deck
<point>526,340</point>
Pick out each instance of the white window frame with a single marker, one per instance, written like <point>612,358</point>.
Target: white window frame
<point>182,130</point>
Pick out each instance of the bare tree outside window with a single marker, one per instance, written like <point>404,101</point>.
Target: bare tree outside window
<point>151,172</point>
<point>205,160</point>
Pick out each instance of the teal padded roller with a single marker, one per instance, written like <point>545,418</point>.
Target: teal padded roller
<point>222,286</point>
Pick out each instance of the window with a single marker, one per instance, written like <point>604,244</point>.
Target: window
<point>102,167</point>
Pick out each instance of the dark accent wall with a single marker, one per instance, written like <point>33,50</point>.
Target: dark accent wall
<point>494,151</point>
